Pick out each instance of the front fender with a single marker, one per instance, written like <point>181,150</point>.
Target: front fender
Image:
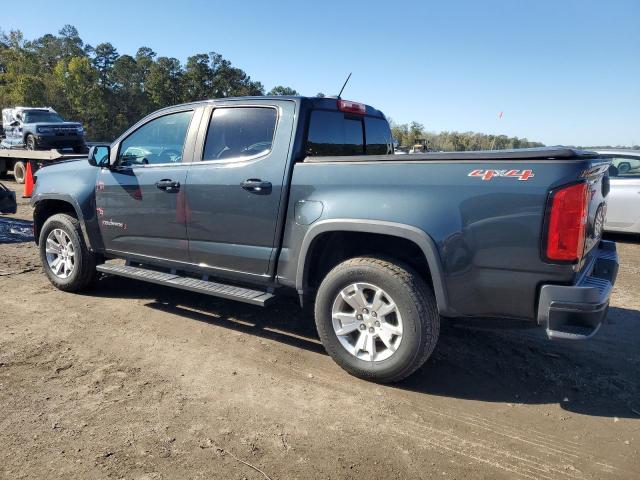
<point>74,183</point>
<point>37,201</point>
<point>417,236</point>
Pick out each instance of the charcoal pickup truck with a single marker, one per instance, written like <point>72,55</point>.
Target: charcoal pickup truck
<point>251,198</point>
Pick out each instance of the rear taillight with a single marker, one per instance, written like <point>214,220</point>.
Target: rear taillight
<point>567,223</point>
<point>351,107</point>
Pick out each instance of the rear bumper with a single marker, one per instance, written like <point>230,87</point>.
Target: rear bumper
<point>576,312</point>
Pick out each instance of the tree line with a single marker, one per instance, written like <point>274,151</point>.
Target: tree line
<point>107,91</point>
<point>410,134</point>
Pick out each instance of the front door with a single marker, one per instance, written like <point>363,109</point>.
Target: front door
<point>234,191</point>
<point>140,198</point>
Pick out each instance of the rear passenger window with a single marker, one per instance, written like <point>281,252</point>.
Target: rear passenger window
<point>378,136</point>
<point>240,132</point>
<point>334,134</point>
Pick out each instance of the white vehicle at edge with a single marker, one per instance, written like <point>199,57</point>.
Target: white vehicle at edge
<point>623,201</point>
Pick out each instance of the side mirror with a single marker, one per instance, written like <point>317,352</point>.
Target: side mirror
<point>99,155</point>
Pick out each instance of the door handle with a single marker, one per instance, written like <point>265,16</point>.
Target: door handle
<point>168,185</point>
<point>255,185</point>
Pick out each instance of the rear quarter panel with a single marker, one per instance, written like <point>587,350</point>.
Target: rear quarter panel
<point>487,232</point>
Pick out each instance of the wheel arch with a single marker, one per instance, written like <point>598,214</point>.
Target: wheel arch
<point>47,206</point>
<point>27,134</point>
<point>409,233</point>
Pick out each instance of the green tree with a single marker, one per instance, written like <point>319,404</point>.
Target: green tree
<point>77,79</point>
<point>197,79</point>
<point>164,83</point>
<point>104,57</point>
<point>280,90</point>
<point>129,98</point>
<point>229,81</point>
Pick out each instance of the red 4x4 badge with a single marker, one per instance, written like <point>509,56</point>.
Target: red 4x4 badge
<point>523,175</point>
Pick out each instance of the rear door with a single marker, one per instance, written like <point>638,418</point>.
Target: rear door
<point>140,198</point>
<point>234,189</point>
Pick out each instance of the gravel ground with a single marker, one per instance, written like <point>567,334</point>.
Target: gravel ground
<point>138,381</point>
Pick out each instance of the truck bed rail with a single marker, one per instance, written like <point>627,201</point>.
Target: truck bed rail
<point>544,153</point>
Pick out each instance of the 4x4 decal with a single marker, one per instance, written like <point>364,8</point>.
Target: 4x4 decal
<point>523,175</point>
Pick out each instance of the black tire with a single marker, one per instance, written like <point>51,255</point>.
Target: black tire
<point>19,172</point>
<point>80,149</point>
<point>30,142</point>
<point>84,271</point>
<point>624,167</point>
<point>415,302</point>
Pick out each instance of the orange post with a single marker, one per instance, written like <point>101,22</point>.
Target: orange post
<point>28,182</point>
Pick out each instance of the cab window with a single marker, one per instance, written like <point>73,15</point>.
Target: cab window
<point>334,134</point>
<point>240,132</point>
<point>378,136</point>
<point>159,141</point>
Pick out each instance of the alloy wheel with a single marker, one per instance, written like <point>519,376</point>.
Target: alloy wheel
<point>367,322</point>
<point>60,253</point>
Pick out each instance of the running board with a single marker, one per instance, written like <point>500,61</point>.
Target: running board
<point>231,292</point>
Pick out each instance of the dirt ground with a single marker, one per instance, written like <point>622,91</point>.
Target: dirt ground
<point>136,381</point>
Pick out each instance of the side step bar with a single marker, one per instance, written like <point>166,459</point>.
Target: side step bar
<point>231,292</point>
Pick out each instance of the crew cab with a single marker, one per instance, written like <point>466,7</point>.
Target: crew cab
<point>250,198</point>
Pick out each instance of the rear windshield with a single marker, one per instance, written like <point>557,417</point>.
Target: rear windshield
<point>336,133</point>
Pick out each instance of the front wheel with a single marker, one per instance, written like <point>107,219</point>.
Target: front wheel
<point>66,260</point>
<point>30,142</point>
<point>377,319</point>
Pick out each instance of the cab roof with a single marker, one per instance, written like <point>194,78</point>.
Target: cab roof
<point>314,103</point>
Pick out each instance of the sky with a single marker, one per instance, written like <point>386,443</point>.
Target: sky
<point>562,71</point>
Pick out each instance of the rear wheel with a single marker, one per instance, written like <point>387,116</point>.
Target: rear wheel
<point>66,260</point>
<point>377,319</point>
<point>19,172</point>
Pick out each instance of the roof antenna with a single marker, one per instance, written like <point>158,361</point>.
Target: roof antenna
<point>344,85</point>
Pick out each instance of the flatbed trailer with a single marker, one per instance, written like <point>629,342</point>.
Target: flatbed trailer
<point>15,160</point>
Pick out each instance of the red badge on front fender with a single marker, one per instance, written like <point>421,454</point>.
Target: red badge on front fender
<point>486,175</point>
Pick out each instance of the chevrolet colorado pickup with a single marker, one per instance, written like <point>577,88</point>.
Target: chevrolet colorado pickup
<point>248,198</point>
